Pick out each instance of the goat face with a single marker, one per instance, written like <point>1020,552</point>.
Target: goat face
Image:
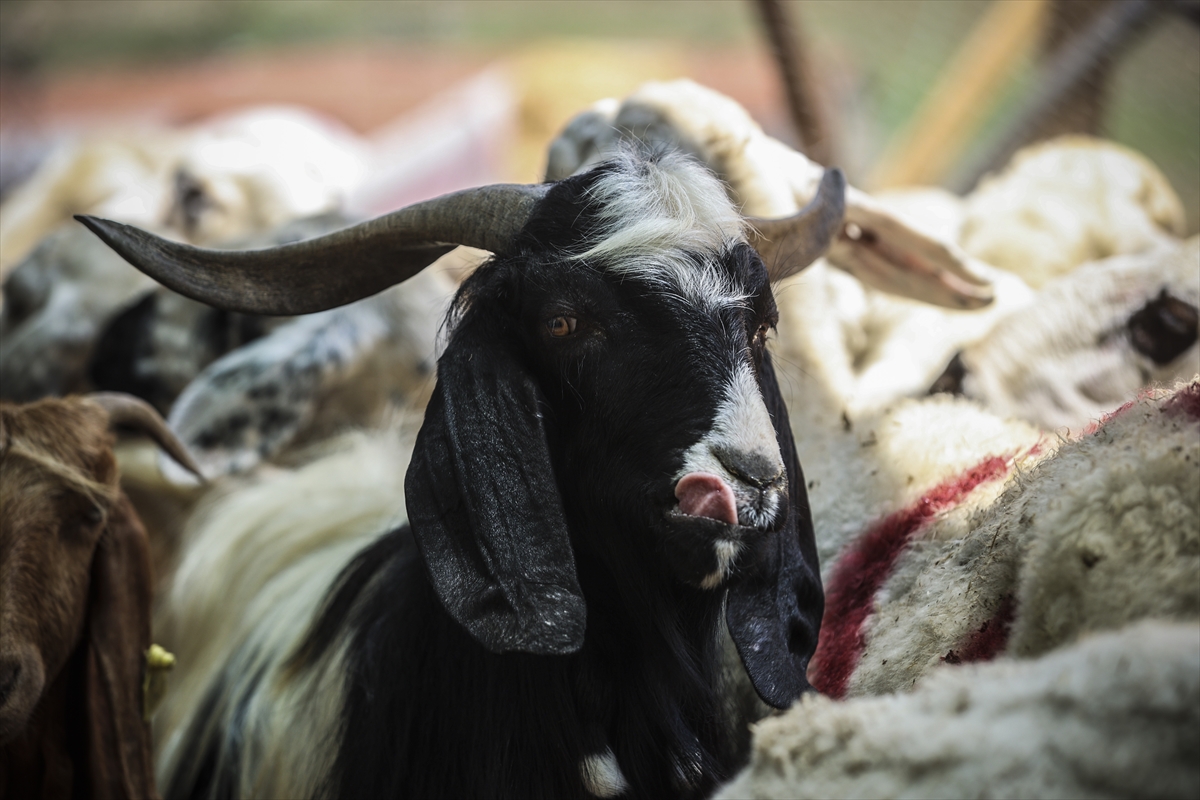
<point>604,400</point>
<point>51,524</point>
<point>647,364</point>
<point>74,571</point>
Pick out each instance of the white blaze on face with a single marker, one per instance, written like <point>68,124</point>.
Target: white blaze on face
<point>742,426</point>
<point>660,216</point>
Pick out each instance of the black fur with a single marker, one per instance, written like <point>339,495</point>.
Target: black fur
<point>1164,329</point>
<point>127,357</point>
<point>543,607</point>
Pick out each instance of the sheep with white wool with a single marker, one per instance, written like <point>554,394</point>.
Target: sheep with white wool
<point>1021,557</point>
<point>1089,340</point>
<point>1066,201</point>
<point>227,178</point>
<point>1022,551</point>
<point>1114,715</point>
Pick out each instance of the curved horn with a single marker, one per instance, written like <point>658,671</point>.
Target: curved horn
<point>790,244</point>
<point>125,409</point>
<point>330,270</point>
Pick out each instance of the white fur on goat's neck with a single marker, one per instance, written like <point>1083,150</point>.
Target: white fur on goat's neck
<point>742,425</point>
<point>602,776</point>
<point>657,213</point>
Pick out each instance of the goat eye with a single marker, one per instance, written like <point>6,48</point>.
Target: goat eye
<point>561,326</point>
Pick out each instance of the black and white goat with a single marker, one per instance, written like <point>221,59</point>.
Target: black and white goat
<point>605,483</point>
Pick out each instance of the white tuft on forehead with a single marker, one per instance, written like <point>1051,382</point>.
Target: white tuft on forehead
<point>658,216</point>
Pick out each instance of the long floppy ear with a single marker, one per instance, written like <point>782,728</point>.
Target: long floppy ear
<point>484,505</point>
<point>775,601</point>
<point>117,739</point>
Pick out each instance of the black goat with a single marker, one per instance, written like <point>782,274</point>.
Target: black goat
<point>605,481</point>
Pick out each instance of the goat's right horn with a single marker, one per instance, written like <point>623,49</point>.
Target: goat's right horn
<point>790,244</point>
<point>133,412</point>
<point>334,269</point>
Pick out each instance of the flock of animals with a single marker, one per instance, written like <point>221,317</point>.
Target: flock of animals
<point>709,430</point>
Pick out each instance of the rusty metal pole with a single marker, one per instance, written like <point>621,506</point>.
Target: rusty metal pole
<point>1082,108</point>
<point>787,45</point>
<point>1108,35</point>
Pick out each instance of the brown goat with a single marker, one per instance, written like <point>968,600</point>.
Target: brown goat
<point>75,593</point>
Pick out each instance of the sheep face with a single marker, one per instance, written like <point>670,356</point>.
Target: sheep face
<point>55,505</point>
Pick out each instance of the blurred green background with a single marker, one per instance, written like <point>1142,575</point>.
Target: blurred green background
<point>880,56</point>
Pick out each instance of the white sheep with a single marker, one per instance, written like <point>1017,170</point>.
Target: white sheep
<point>1033,544</point>
<point>226,178</point>
<point>1065,201</point>
<point>1091,339</point>
<point>1115,715</point>
<point>1075,564</point>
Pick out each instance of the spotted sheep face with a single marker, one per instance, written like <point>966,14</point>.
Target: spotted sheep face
<point>646,329</point>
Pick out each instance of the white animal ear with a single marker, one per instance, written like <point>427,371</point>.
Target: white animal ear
<point>883,252</point>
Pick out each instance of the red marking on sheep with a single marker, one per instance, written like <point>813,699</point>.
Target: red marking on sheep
<point>1185,402</point>
<point>863,569</point>
<point>1096,425</point>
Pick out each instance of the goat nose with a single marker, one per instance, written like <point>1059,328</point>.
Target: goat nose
<point>755,469</point>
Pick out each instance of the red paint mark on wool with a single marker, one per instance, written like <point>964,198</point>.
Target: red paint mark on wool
<point>992,637</point>
<point>1185,402</point>
<point>1092,427</point>
<point>850,593</point>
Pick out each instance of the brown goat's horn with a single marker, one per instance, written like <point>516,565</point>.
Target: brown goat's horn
<point>334,269</point>
<point>125,409</point>
<point>790,244</point>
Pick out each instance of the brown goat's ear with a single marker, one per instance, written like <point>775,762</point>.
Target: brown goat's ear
<point>118,635</point>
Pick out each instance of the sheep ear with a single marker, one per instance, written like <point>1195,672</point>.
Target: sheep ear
<point>775,600</point>
<point>118,635</point>
<point>484,505</point>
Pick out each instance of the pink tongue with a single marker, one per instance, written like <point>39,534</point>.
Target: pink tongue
<point>702,494</point>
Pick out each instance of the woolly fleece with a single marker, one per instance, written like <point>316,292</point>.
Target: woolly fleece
<point>1115,715</point>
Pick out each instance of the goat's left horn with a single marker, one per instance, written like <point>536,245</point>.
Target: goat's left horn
<point>334,269</point>
<point>125,409</point>
<point>790,244</point>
